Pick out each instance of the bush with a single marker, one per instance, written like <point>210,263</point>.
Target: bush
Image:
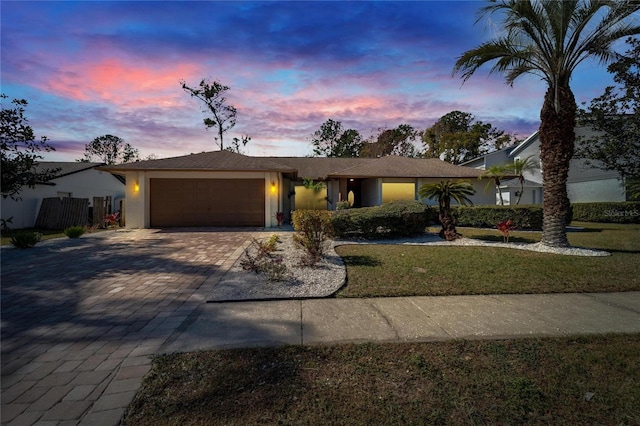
<point>395,219</point>
<point>523,217</point>
<point>74,231</point>
<point>259,257</point>
<point>313,228</point>
<point>622,212</point>
<point>23,240</point>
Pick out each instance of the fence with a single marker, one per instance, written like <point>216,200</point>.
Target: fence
<point>60,213</point>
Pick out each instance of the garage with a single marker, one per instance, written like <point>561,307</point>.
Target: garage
<point>207,202</point>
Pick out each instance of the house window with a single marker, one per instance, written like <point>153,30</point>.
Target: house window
<point>398,191</point>
<point>308,199</point>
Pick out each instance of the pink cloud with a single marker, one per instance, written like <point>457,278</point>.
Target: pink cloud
<point>121,83</point>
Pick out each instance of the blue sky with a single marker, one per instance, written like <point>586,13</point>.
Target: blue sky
<point>94,68</point>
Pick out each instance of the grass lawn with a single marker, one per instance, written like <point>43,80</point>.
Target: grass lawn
<point>46,234</point>
<point>400,270</point>
<point>579,380</point>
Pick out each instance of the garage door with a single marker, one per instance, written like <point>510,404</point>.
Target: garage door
<point>207,202</point>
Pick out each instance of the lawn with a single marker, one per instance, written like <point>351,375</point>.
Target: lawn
<point>576,380</point>
<point>46,234</point>
<point>401,270</point>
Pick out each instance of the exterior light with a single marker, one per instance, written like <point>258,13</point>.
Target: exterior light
<point>136,187</point>
<point>274,187</point>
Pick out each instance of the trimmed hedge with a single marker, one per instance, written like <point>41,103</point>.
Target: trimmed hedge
<point>523,216</point>
<point>621,212</point>
<point>395,219</point>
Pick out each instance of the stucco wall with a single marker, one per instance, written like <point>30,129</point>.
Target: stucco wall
<point>85,184</point>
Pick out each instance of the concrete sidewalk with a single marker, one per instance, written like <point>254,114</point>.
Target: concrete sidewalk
<point>402,319</point>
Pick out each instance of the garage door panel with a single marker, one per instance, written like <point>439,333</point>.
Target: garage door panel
<point>207,202</point>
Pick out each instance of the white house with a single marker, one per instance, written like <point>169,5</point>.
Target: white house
<point>73,180</point>
<point>585,183</point>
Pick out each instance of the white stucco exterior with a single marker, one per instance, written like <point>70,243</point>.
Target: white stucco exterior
<point>83,184</point>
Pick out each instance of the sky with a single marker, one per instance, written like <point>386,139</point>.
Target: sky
<point>93,68</point>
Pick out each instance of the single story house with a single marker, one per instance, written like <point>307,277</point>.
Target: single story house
<point>585,183</point>
<point>223,188</point>
<point>72,180</point>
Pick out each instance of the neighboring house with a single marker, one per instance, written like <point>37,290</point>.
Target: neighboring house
<point>222,188</point>
<point>74,180</point>
<point>584,184</point>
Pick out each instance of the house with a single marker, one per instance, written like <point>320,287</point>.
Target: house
<point>222,188</point>
<point>72,180</point>
<point>585,183</point>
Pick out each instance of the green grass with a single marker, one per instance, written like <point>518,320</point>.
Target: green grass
<point>401,270</point>
<point>46,234</point>
<point>525,381</point>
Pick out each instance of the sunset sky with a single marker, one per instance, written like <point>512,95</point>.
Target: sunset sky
<point>94,68</point>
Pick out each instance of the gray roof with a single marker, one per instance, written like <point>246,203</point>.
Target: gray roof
<point>209,161</point>
<point>66,168</point>
<point>306,167</point>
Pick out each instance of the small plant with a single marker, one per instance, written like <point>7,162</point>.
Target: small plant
<point>112,221</point>
<point>505,227</point>
<point>74,231</point>
<point>343,205</point>
<point>279,217</point>
<point>25,240</point>
<point>259,257</point>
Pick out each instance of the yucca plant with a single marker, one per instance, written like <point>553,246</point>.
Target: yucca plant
<point>443,192</point>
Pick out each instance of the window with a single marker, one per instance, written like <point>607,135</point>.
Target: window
<point>398,191</point>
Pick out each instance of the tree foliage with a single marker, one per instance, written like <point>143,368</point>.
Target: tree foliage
<point>331,140</point>
<point>519,167</point>
<point>20,151</point>
<point>615,116</point>
<point>549,39</point>
<point>399,141</point>
<point>111,150</point>
<point>457,137</point>
<point>443,192</point>
<point>212,93</point>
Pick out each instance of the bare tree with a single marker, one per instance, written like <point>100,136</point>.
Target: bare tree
<point>212,93</point>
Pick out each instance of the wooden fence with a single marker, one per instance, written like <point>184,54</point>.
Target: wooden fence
<point>60,213</point>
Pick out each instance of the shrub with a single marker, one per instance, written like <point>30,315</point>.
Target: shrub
<point>621,212</point>
<point>522,217</point>
<point>23,240</point>
<point>395,219</point>
<point>259,257</point>
<point>313,228</point>
<point>74,231</point>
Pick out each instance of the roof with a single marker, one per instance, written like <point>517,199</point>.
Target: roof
<point>209,161</point>
<point>66,168</point>
<point>305,167</point>
<point>396,166</point>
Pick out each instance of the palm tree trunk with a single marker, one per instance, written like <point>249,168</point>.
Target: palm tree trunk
<point>448,231</point>
<point>557,139</point>
<point>497,181</point>
<point>521,190</point>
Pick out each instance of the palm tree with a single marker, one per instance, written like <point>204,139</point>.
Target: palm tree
<point>550,38</point>
<point>519,168</point>
<point>495,173</point>
<point>444,191</point>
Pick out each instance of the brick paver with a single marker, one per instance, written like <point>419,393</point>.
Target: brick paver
<point>82,318</point>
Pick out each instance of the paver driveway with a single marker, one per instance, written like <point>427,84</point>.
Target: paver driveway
<point>81,318</point>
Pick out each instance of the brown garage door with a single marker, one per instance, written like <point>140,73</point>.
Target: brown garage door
<point>207,202</point>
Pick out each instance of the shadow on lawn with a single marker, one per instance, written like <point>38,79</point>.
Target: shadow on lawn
<point>360,261</point>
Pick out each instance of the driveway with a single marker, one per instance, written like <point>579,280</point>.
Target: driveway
<point>81,318</point>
